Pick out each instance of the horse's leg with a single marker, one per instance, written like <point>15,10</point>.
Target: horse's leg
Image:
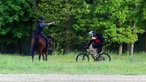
<point>32,57</point>
<point>39,57</point>
<point>41,53</point>
<point>46,55</point>
<point>32,54</point>
<point>34,45</point>
<point>43,57</point>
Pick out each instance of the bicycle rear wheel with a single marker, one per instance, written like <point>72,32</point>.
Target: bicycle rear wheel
<point>82,57</point>
<point>104,57</point>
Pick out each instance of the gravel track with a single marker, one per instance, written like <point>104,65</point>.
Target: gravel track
<point>70,78</point>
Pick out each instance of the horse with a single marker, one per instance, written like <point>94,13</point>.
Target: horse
<point>38,44</point>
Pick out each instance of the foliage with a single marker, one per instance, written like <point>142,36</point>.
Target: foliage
<point>68,14</point>
<point>141,14</point>
<point>120,21</point>
<point>114,19</point>
<point>15,19</point>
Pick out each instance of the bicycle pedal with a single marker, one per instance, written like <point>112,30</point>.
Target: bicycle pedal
<point>96,59</point>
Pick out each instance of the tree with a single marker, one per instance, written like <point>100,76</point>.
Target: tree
<point>141,17</point>
<point>115,20</point>
<point>15,21</point>
<point>69,15</point>
<point>109,16</point>
<point>133,18</point>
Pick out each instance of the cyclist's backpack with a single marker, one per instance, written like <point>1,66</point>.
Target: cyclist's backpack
<point>100,37</point>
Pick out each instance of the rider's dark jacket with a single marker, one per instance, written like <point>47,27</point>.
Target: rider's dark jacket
<point>39,27</point>
<point>95,40</point>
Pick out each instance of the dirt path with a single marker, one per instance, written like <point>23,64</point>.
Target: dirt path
<point>70,78</point>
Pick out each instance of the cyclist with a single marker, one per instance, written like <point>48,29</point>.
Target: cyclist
<point>97,43</point>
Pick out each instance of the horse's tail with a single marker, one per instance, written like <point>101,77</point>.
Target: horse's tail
<point>34,46</point>
<point>36,41</point>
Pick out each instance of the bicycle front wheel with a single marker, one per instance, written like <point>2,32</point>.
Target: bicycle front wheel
<point>104,57</point>
<point>82,57</point>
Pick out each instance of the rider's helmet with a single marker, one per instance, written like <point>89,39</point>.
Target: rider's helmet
<point>42,19</point>
<point>91,33</point>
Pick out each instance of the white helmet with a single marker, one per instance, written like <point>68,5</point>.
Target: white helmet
<point>91,32</point>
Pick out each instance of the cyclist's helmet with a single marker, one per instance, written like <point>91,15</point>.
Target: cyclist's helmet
<point>91,33</point>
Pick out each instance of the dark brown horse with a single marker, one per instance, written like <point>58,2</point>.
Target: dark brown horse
<point>38,44</point>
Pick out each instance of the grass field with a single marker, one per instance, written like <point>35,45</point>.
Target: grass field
<point>66,64</point>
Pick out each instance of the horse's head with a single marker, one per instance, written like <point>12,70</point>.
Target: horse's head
<point>50,41</point>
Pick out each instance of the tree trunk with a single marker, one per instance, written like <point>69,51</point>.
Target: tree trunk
<point>128,48</point>
<point>68,30</point>
<point>145,42</point>
<point>68,38</point>
<point>132,43</point>
<point>19,50</point>
<point>120,49</point>
<point>131,49</point>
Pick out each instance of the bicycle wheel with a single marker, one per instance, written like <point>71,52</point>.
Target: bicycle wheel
<point>104,57</point>
<point>82,57</point>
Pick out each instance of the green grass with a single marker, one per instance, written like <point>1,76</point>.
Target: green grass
<point>66,64</point>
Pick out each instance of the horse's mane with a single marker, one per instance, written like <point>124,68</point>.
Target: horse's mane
<point>51,37</point>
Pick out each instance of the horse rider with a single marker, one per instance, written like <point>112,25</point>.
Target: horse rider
<point>39,30</point>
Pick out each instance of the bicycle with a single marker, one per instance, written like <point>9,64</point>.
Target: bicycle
<point>85,55</point>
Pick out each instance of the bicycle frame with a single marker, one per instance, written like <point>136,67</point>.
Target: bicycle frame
<point>85,54</point>
<point>85,50</point>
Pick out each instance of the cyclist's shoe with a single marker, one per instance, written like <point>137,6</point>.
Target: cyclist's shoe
<point>101,58</point>
<point>96,59</point>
